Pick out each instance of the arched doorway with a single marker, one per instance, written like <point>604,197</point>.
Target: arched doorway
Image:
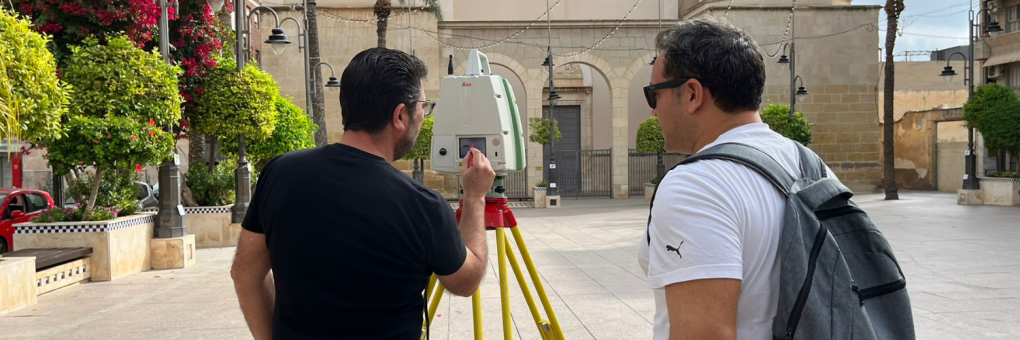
<point>584,116</point>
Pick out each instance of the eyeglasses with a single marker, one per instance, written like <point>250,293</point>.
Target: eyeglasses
<point>428,106</point>
<point>650,89</point>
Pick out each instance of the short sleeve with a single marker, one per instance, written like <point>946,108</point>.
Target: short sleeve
<point>252,221</point>
<point>448,251</point>
<point>693,233</point>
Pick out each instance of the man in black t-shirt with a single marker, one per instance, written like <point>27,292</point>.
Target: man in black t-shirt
<point>351,241</point>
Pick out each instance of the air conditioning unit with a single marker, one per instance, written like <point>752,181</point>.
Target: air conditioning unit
<point>993,6</point>
<point>996,71</point>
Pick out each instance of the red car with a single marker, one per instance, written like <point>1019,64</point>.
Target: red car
<point>19,205</point>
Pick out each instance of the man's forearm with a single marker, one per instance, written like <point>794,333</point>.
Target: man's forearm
<point>472,228</point>
<point>257,299</point>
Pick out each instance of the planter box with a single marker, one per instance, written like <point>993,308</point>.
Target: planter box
<point>649,192</point>
<point>998,191</point>
<point>211,226</point>
<point>539,197</point>
<point>120,247</point>
<point>17,283</point>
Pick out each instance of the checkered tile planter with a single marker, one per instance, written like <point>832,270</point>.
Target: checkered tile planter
<point>207,210</point>
<point>84,227</point>
<point>197,210</point>
<point>120,247</point>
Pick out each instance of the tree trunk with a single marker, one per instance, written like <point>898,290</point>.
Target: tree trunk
<point>383,8</point>
<point>318,102</point>
<point>893,8</point>
<point>212,152</point>
<point>95,188</point>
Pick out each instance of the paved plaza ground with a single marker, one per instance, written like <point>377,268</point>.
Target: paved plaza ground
<point>962,265</point>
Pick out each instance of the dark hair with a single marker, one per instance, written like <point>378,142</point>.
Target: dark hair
<point>374,83</point>
<point>722,57</point>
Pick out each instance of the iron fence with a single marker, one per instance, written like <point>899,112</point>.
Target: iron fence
<point>642,168</point>
<point>516,185</point>
<point>584,173</point>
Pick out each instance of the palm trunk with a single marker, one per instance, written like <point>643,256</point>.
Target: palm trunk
<point>893,8</point>
<point>196,149</point>
<point>318,101</point>
<point>383,8</point>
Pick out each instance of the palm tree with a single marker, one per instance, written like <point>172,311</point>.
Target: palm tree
<point>893,8</point>
<point>383,9</point>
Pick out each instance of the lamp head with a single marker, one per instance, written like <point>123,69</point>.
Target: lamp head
<point>948,73</point>
<point>216,5</point>
<point>333,85</point>
<point>553,98</point>
<point>278,40</point>
<point>994,29</point>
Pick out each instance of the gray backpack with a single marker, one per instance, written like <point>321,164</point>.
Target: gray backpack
<point>838,276</point>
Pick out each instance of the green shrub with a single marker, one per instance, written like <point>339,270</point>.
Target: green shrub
<point>124,103</point>
<point>212,187</point>
<point>32,98</point>
<point>237,103</point>
<point>423,145</point>
<point>994,110</point>
<point>117,190</point>
<point>649,136</point>
<point>542,184</point>
<point>540,130</point>
<point>79,213</point>
<point>294,131</point>
<point>794,127</point>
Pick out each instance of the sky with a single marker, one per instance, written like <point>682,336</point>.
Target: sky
<point>927,25</point>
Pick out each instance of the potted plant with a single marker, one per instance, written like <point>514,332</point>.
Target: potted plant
<point>994,110</point>
<point>539,193</point>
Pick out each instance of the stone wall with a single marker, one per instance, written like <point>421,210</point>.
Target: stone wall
<point>919,86</point>
<point>841,76</point>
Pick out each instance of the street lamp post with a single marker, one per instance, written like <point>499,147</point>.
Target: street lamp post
<point>242,185</point>
<point>970,180</point>
<point>170,217</point>
<point>553,98</point>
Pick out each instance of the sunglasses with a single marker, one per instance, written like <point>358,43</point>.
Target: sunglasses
<point>428,106</point>
<point>650,89</point>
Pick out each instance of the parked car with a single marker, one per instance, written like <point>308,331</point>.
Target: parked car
<point>147,196</point>
<point>19,206</point>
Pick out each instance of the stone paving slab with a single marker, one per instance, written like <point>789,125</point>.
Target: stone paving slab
<point>962,265</point>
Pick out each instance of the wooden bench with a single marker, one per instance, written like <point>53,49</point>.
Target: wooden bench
<point>58,267</point>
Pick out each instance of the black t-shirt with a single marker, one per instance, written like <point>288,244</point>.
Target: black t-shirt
<point>352,242</point>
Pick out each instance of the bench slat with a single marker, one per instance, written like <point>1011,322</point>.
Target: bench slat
<point>48,257</point>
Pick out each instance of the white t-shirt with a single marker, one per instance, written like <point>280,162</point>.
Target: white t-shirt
<point>718,219</point>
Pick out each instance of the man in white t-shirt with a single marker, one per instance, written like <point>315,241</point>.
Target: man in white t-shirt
<point>710,249</point>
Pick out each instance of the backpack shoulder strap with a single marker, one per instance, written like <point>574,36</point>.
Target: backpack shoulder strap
<point>811,166</point>
<point>746,155</point>
<point>755,159</point>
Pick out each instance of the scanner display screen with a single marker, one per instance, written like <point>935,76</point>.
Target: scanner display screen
<point>467,143</point>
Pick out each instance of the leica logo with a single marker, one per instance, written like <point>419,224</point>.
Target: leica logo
<point>465,84</point>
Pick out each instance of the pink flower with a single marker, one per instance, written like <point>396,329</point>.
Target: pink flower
<point>81,163</point>
<point>138,167</point>
<point>151,123</point>
<point>133,137</point>
<point>151,133</point>
<point>95,141</point>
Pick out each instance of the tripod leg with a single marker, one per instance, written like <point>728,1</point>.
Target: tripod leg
<point>543,326</point>
<point>476,308</point>
<point>504,285</point>
<point>434,294</point>
<point>538,283</point>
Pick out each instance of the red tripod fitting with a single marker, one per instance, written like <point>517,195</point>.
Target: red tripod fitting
<point>497,213</point>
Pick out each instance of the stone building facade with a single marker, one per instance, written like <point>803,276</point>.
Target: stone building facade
<point>836,57</point>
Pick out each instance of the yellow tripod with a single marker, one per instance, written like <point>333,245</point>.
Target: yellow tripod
<point>499,217</point>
